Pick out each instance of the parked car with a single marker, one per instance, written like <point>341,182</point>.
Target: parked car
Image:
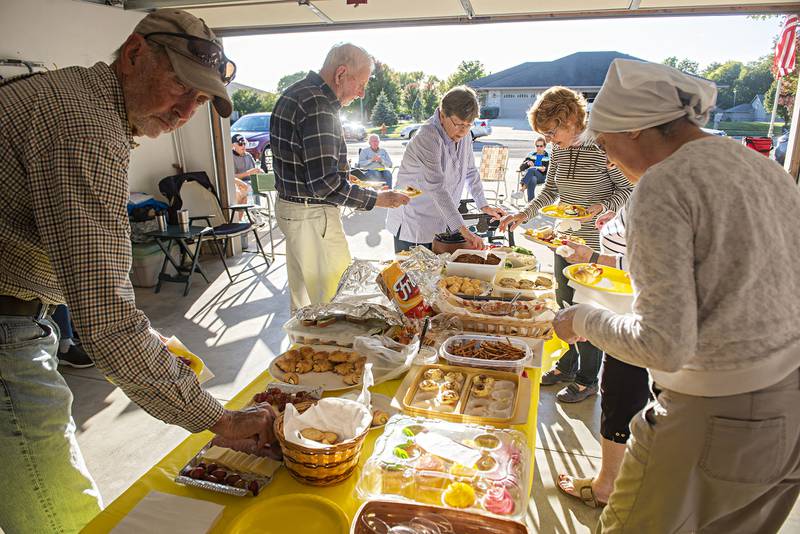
<point>480,128</point>
<point>255,127</point>
<point>712,131</point>
<point>354,131</point>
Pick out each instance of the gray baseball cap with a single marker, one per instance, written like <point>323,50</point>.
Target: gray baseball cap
<point>196,54</point>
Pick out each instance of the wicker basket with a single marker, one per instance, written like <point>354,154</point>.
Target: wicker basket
<point>319,467</point>
<point>507,327</point>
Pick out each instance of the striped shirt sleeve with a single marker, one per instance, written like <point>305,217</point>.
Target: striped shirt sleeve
<point>622,190</point>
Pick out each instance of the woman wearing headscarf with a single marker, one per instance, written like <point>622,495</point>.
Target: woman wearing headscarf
<point>715,318</point>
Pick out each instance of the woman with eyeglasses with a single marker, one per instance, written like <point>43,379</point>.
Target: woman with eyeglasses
<point>439,162</point>
<point>535,168</point>
<point>578,174</point>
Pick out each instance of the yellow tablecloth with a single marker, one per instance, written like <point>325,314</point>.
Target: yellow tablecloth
<point>161,476</point>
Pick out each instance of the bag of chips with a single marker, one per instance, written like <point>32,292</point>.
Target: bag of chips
<point>403,291</point>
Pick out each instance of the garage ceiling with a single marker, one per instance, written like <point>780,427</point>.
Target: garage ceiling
<point>242,17</point>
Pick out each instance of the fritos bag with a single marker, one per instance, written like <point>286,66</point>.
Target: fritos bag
<point>403,291</point>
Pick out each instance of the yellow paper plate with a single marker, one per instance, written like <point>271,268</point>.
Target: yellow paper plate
<point>176,348</point>
<point>557,211</point>
<point>296,512</point>
<point>612,280</point>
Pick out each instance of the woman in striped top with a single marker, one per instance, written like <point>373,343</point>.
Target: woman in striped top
<point>624,388</point>
<point>578,174</point>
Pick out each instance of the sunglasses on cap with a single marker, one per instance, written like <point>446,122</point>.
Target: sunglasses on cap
<point>203,51</point>
<point>242,142</point>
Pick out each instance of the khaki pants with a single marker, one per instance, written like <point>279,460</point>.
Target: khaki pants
<point>316,250</point>
<point>710,464</point>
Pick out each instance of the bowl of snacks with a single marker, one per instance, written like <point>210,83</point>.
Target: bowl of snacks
<point>465,286</point>
<point>501,353</point>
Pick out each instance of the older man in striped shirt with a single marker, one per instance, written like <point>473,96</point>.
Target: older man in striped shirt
<point>64,238</point>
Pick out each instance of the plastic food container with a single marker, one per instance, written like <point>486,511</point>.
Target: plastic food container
<point>512,366</point>
<point>474,270</point>
<point>340,333</point>
<point>499,289</point>
<point>470,468</point>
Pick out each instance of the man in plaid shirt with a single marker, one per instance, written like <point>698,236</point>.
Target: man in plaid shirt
<point>65,238</point>
<point>309,157</point>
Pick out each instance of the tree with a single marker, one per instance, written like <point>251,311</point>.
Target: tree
<point>786,98</point>
<point>289,79</point>
<point>685,64</point>
<point>383,80</point>
<point>268,100</point>
<point>383,112</point>
<point>410,95</point>
<point>727,77</point>
<point>405,78</point>
<point>430,96</point>
<point>466,72</point>
<point>246,101</point>
<point>417,112</point>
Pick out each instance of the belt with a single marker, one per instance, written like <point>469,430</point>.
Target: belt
<point>305,200</point>
<point>35,308</point>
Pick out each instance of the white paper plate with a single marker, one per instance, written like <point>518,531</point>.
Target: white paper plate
<point>328,381</point>
<point>379,402</point>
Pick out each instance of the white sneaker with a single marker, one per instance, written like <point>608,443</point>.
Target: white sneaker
<point>516,195</point>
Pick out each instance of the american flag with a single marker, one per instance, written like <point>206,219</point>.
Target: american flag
<point>785,48</point>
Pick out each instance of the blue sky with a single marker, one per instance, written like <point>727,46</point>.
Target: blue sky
<point>438,50</point>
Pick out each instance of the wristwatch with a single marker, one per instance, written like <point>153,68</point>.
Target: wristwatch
<point>594,257</point>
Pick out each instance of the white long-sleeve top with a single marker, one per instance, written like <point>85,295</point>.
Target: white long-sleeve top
<point>440,168</point>
<point>713,248</point>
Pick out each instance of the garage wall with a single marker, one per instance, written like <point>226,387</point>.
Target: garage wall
<point>61,33</point>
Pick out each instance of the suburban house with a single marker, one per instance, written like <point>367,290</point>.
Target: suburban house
<point>514,90</point>
<point>748,112</point>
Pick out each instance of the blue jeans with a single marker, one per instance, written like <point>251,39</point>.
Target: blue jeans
<point>45,484</point>
<point>63,321</point>
<point>380,176</point>
<point>531,178</point>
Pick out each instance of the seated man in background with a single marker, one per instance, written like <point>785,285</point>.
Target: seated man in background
<point>375,161</point>
<point>244,166</point>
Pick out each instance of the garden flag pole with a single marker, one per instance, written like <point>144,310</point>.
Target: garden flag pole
<point>784,60</point>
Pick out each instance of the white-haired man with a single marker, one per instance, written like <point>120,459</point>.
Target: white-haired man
<point>375,161</point>
<point>64,238</point>
<point>309,156</point>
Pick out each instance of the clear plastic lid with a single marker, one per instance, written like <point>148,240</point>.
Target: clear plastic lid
<point>466,467</point>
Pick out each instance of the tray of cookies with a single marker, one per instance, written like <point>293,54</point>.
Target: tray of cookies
<point>322,366</point>
<point>466,467</point>
<point>463,394</point>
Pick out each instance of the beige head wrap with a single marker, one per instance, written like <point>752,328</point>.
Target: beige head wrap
<point>638,95</point>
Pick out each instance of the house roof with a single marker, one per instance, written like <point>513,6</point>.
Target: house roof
<point>233,87</point>
<point>581,69</point>
<point>741,108</point>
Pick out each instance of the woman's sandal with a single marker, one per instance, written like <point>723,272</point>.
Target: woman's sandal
<point>583,488</point>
